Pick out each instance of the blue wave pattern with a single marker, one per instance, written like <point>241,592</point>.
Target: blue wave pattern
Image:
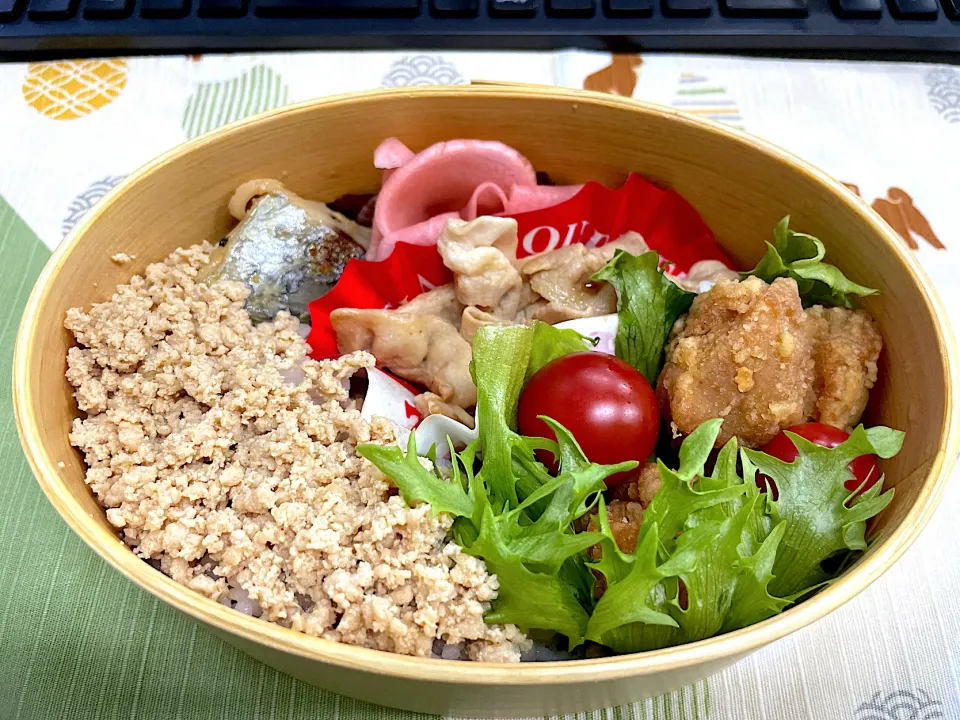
<point>943,91</point>
<point>413,70</point>
<point>900,705</point>
<point>87,199</point>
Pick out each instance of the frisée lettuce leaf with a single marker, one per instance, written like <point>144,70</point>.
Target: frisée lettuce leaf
<point>525,550</point>
<point>504,359</point>
<point>820,516</point>
<point>549,343</point>
<point>800,256</point>
<point>648,303</point>
<point>715,554</point>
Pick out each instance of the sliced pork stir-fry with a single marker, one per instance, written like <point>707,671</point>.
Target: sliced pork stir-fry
<point>474,318</point>
<point>419,341</point>
<point>561,277</point>
<point>490,287</point>
<point>481,255</point>
<point>429,403</point>
<point>704,274</point>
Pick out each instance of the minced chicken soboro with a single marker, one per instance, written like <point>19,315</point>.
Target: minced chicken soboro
<point>246,487</point>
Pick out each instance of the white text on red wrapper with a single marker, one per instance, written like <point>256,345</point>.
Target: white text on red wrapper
<point>549,236</point>
<point>575,233</point>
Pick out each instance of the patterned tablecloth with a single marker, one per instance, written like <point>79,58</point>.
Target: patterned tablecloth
<point>79,642</point>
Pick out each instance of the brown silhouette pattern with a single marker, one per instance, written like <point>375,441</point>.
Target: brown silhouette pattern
<point>902,215</point>
<point>617,78</point>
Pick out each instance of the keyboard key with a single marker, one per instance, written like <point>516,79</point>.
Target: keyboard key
<point>107,8</point>
<point>689,8</point>
<point>952,8</point>
<point>857,8</point>
<point>222,8</point>
<point>575,8</point>
<point>51,9</point>
<point>628,8</point>
<point>764,8</point>
<point>915,9</point>
<point>514,8</point>
<point>10,10</point>
<point>164,8</point>
<point>463,8</point>
<point>350,8</point>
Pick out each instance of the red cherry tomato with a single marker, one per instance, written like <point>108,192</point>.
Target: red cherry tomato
<point>781,447</point>
<point>606,403</point>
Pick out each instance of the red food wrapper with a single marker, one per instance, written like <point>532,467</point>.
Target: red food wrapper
<point>598,214</point>
<point>594,216</point>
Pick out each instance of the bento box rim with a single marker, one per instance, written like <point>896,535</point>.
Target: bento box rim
<point>286,640</point>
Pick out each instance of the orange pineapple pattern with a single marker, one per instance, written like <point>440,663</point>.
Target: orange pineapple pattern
<point>73,89</point>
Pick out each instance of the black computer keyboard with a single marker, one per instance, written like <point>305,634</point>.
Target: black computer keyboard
<point>74,27</point>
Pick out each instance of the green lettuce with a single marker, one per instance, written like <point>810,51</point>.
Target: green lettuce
<point>648,303</point>
<point>529,552</point>
<point>715,554</point>
<point>419,484</point>
<point>821,516</point>
<point>697,531</point>
<point>630,608</point>
<point>499,368</point>
<point>527,598</point>
<point>799,256</point>
<point>504,359</point>
<point>512,513</point>
<point>549,343</point>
